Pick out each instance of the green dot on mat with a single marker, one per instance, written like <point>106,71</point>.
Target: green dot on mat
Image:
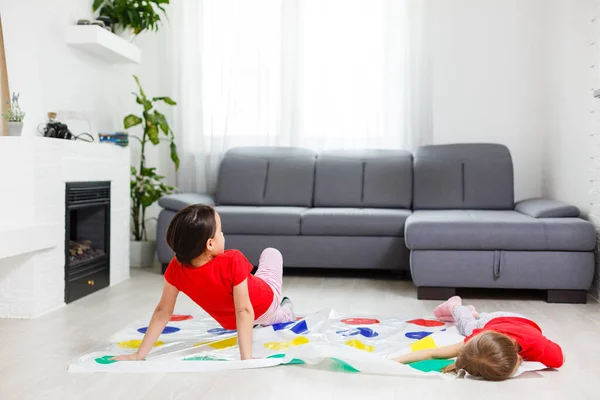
<point>294,361</point>
<point>105,360</point>
<point>344,366</point>
<point>204,358</point>
<point>431,365</point>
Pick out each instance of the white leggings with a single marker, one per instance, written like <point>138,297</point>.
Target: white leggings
<point>467,323</point>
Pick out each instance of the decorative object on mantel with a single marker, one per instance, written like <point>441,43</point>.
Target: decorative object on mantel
<point>116,138</point>
<point>147,187</point>
<point>133,16</point>
<point>4,92</point>
<point>15,117</point>
<point>57,130</point>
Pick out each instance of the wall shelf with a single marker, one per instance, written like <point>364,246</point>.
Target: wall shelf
<point>103,44</point>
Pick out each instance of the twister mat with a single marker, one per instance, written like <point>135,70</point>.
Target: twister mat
<point>337,342</point>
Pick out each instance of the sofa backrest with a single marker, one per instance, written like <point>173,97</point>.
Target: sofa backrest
<point>267,176</point>
<point>366,178</point>
<point>463,176</point>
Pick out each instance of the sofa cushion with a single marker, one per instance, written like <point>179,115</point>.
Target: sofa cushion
<point>267,176</point>
<point>267,220</point>
<point>354,222</point>
<point>369,178</point>
<point>545,208</point>
<point>463,176</point>
<point>496,230</point>
<point>179,201</point>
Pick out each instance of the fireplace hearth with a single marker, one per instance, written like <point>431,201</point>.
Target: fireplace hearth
<point>87,238</point>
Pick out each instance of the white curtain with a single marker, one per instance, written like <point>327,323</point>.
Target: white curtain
<point>322,74</point>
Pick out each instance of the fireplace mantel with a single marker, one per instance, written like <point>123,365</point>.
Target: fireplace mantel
<point>35,171</point>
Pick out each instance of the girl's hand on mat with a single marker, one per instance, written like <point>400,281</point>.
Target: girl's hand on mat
<point>401,359</point>
<point>128,357</point>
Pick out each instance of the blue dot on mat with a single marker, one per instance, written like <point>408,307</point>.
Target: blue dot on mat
<point>300,327</point>
<point>367,332</point>
<point>417,335</point>
<point>281,326</point>
<point>219,331</point>
<point>168,329</point>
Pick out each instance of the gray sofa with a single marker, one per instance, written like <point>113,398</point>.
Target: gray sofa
<point>452,207</point>
<point>331,210</point>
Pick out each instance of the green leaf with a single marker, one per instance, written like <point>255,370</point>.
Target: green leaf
<point>152,132</point>
<point>139,85</point>
<point>174,155</point>
<point>166,99</point>
<point>96,5</point>
<point>162,122</point>
<point>131,120</point>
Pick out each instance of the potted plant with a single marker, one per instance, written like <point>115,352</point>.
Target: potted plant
<point>147,187</point>
<point>15,117</point>
<point>134,16</point>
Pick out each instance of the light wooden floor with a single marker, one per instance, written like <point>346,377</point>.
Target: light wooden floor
<point>34,354</point>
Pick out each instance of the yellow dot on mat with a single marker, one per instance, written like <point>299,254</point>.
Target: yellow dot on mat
<point>202,343</point>
<point>135,344</point>
<point>299,341</point>
<point>359,345</point>
<point>423,344</point>
<point>223,344</point>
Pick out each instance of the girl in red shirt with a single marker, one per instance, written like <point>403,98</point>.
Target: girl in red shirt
<point>495,343</point>
<point>219,281</point>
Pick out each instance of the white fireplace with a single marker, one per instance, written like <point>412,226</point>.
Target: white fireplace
<point>33,177</point>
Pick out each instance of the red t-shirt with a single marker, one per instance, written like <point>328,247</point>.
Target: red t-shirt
<point>534,345</point>
<point>211,285</point>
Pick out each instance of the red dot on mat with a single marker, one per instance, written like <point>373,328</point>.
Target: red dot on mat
<point>360,321</point>
<point>299,318</point>
<point>176,317</point>
<point>426,322</point>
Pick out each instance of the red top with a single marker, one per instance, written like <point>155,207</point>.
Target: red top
<point>534,345</point>
<point>211,285</point>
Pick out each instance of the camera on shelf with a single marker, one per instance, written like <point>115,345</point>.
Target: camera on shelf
<point>55,129</point>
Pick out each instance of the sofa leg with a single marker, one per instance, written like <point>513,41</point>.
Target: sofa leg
<point>435,293</point>
<point>567,296</point>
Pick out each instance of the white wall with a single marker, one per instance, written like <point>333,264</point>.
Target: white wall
<point>567,145</point>
<point>488,81</point>
<point>51,76</point>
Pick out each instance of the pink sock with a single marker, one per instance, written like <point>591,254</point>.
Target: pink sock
<point>443,312</point>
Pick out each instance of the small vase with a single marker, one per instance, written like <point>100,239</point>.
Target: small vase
<point>15,128</point>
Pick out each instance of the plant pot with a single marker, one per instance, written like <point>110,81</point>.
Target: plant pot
<point>125,33</point>
<point>141,253</point>
<point>15,128</point>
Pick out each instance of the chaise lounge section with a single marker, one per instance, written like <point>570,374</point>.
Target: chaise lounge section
<point>467,232</point>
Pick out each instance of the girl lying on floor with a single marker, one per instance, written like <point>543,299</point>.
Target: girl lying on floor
<point>495,344</point>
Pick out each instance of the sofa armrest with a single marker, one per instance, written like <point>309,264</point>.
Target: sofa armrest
<point>544,208</point>
<point>179,201</point>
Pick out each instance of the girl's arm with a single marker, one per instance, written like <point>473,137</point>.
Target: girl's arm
<point>442,352</point>
<point>244,319</point>
<point>162,315</point>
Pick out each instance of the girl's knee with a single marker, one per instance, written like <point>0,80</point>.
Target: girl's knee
<point>271,253</point>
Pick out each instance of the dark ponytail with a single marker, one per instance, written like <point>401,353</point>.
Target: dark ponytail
<point>189,231</point>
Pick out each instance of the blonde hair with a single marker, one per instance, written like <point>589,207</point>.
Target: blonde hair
<point>489,355</point>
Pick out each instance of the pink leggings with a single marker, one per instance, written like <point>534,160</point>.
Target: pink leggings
<point>270,270</point>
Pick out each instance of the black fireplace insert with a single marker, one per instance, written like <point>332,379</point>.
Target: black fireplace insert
<point>87,238</point>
